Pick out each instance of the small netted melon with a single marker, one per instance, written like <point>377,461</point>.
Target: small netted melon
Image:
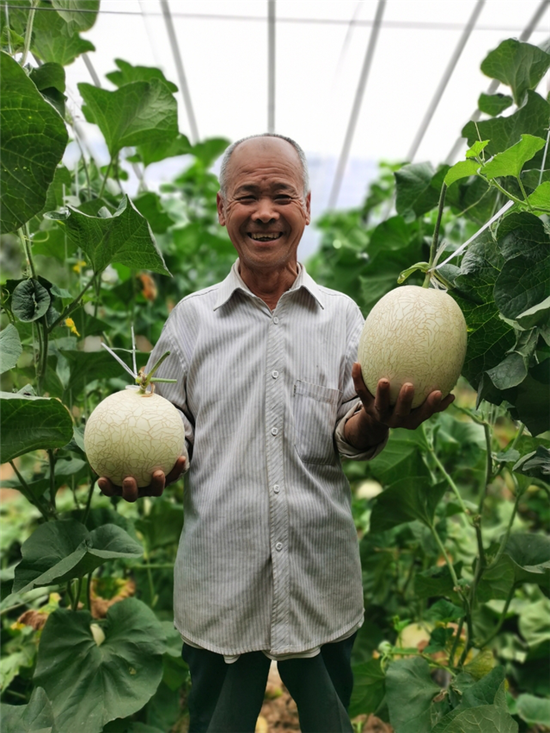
<point>133,434</point>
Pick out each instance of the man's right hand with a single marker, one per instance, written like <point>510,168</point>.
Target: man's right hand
<point>130,490</point>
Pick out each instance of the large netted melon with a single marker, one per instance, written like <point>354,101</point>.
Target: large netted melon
<point>415,335</point>
<point>133,434</point>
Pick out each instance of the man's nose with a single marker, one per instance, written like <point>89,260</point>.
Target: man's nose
<point>265,210</point>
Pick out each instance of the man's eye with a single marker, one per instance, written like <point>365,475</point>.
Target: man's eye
<point>246,198</point>
<point>282,197</point>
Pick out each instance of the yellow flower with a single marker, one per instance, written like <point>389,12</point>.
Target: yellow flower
<point>79,265</point>
<point>70,324</point>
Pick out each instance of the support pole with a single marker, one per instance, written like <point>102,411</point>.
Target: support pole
<point>180,70</point>
<point>369,55</point>
<point>451,66</point>
<point>271,65</point>
<point>494,85</point>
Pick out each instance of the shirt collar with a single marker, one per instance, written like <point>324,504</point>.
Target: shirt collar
<point>234,282</point>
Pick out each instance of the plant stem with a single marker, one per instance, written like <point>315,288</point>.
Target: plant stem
<point>435,238</point>
<point>450,481</point>
<point>504,540</point>
<point>524,193</point>
<point>505,192</point>
<point>51,459</point>
<point>455,642</point>
<point>27,492</point>
<point>89,591</point>
<point>43,358</point>
<point>89,501</point>
<point>72,306</point>
<point>78,591</point>
<point>502,617</point>
<point>24,239</point>
<point>28,33</point>
<point>445,557</point>
<point>105,178</point>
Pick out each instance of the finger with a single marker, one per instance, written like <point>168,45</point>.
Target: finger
<point>403,405</point>
<point>156,487</point>
<point>382,399</point>
<point>177,471</point>
<point>359,383</point>
<point>107,488</point>
<point>130,490</point>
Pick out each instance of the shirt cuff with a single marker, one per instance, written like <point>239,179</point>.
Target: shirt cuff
<point>345,449</point>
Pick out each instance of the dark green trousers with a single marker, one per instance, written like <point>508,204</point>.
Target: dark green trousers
<point>227,698</point>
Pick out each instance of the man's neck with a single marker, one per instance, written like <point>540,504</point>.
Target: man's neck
<point>269,285</point>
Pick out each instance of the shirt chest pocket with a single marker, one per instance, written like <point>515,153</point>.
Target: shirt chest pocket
<point>315,410</point>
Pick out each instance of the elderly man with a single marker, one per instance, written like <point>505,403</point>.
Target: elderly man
<point>271,398</point>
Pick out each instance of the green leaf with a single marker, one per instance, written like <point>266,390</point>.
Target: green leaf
<point>80,15</point>
<point>494,104</point>
<point>498,580</point>
<point>30,301</point>
<point>477,148</point>
<point>124,238</point>
<point>481,719</point>
<point>530,554</point>
<point>444,611</point>
<point>149,205</point>
<point>534,623</point>
<point>55,40</point>
<point>368,688</point>
<point>539,200</point>
<point>462,169</point>
<point>530,400</point>
<point>156,150</point>
<point>78,674</point>
<point>416,193</point>
<point>510,372</point>
<point>402,456</point>
<point>30,423</point>
<point>409,694</point>
<point>128,73</point>
<point>511,161</point>
<point>10,348</point>
<point>407,499</point>
<point>49,75</point>
<point>29,124</point>
<point>137,113</point>
<point>532,709</point>
<point>207,151</point>
<point>537,315</point>
<point>535,464</point>
<point>502,132</point>
<point>34,717</point>
<point>63,550</point>
<point>436,581</point>
<point>519,65</point>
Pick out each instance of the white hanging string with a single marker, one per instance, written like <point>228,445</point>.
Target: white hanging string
<point>474,236</point>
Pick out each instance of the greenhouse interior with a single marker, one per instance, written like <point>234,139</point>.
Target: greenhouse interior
<point>275,366</point>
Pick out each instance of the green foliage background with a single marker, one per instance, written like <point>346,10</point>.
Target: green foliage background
<point>452,519</point>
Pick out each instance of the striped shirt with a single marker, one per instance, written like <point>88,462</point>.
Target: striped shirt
<point>268,558</point>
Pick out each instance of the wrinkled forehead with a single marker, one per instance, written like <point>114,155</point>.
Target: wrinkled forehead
<point>272,155</point>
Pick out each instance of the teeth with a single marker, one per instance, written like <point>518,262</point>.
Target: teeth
<point>265,237</point>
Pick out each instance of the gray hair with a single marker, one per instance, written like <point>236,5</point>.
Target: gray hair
<point>231,149</point>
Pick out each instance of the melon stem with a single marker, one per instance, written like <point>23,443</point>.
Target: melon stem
<point>145,379</point>
<point>435,238</point>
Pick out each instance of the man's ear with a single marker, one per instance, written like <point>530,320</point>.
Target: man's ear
<point>308,208</point>
<point>220,204</point>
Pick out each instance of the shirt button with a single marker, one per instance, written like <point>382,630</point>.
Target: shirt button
<point>274,374</point>
<point>279,546</point>
<point>276,488</point>
<point>274,431</point>
<point>275,320</point>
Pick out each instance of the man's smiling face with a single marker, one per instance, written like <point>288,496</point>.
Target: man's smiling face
<point>264,208</point>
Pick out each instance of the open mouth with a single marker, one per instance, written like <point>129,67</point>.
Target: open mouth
<point>265,236</point>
